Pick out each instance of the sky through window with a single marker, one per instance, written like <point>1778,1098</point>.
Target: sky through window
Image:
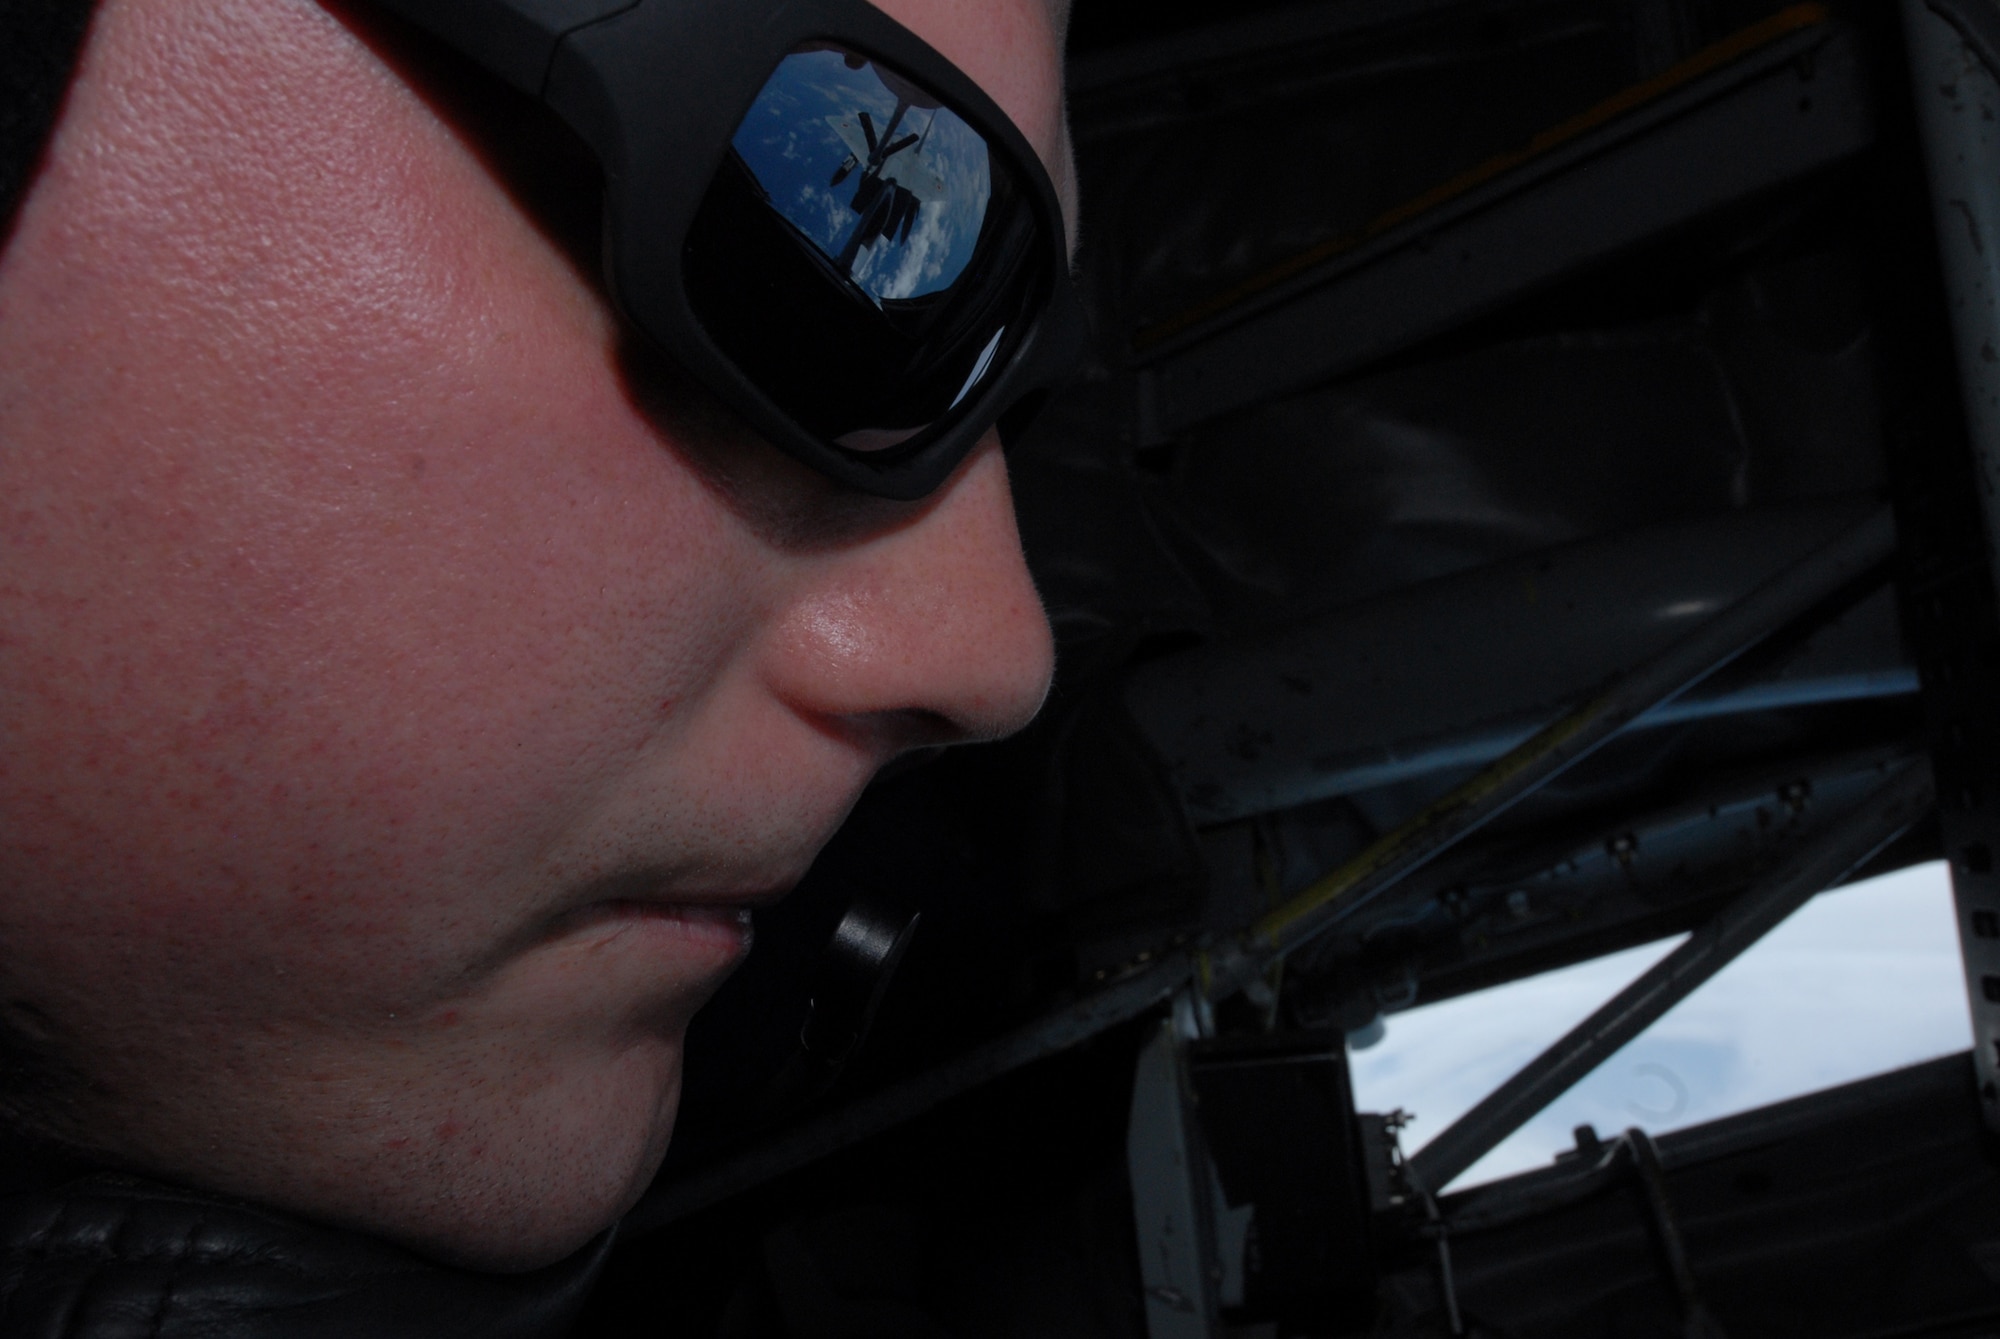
<point>1863,980</point>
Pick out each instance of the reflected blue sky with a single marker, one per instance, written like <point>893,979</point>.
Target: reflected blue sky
<point>792,140</point>
<point>1862,980</point>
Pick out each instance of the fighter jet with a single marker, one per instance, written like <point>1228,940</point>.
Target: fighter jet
<point>895,180</point>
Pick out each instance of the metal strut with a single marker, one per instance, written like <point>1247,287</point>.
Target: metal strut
<point>1879,820</point>
<point>1439,1231</point>
<point>1953,46</point>
<point>1230,965</point>
<point>1697,1321</point>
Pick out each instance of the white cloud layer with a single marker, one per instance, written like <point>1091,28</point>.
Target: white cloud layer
<point>1863,980</point>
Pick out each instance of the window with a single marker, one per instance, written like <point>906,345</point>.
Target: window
<point>1864,979</point>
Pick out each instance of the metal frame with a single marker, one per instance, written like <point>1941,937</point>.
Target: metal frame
<point>1367,694</point>
<point>1885,816</point>
<point>1791,593</point>
<point>1224,968</point>
<point>1957,93</point>
<point>1776,103</point>
<point>1173,1207</point>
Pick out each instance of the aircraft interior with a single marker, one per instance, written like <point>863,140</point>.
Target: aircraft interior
<point>1531,495</point>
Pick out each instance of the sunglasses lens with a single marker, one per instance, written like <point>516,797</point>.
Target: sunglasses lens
<point>864,256</point>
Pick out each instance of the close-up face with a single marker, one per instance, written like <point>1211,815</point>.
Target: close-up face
<point>406,691</point>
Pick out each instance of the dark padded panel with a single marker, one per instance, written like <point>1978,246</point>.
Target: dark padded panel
<point>39,41</point>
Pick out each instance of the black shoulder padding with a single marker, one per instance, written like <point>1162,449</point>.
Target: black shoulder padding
<point>39,41</point>
<point>115,1257</point>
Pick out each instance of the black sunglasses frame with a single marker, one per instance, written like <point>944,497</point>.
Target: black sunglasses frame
<point>656,89</point>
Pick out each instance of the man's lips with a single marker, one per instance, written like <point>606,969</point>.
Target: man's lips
<point>718,917</point>
<point>695,915</point>
<point>705,936</point>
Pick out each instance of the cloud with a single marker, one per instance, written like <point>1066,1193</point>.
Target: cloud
<point>818,205</point>
<point>923,256</point>
<point>1863,980</point>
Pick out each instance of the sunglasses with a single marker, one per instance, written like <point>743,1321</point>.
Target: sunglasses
<point>811,211</point>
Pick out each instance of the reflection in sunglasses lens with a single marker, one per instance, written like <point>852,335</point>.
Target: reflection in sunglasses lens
<point>889,185</point>
<point>862,255</point>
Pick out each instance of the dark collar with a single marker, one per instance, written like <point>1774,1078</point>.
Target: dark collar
<point>104,1256</point>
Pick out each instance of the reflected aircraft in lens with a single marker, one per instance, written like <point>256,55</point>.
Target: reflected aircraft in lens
<point>895,183</point>
<point>889,186</point>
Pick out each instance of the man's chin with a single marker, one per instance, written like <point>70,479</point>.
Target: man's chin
<point>553,1198</point>
<point>501,1173</point>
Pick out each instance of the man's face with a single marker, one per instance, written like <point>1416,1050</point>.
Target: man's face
<point>399,698</point>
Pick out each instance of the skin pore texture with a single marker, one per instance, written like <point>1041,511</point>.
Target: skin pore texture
<point>399,706</point>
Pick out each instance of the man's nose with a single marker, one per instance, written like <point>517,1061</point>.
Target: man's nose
<point>928,632</point>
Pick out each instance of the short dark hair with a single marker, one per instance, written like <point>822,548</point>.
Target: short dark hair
<point>39,42</point>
